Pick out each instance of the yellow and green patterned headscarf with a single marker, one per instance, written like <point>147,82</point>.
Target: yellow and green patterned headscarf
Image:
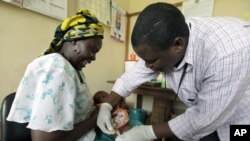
<point>83,25</point>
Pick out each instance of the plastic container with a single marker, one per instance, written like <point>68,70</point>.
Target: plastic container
<point>133,123</point>
<point>137,114</point>
<point>100,136</point>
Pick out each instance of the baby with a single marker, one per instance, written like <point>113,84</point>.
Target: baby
<point>119,114</point>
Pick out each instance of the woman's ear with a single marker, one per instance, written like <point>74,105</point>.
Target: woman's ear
<point>73,43</point>
<point>179,44</point>
<point>75,47</point>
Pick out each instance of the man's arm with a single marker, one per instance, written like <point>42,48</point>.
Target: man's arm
<point>114,99</point>
<point>162,130</point>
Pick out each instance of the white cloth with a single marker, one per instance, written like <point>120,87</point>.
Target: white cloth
<point>138,133</point>
<point>215,86</point>
<point>51,97</point>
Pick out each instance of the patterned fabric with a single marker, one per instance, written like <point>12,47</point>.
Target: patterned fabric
<point>51,97</point>
<point>216,85</point>
<point>82,25</point>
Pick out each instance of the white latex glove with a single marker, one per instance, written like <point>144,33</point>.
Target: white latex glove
<point>104,119</point>
<point>138,133</point>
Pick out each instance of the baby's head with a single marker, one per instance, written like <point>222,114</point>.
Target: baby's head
<point>99,97</point>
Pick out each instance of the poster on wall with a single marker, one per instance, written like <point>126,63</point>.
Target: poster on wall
<point>202,8</point>
<point>118,22</point>
<point>101,8</point>
<point>15,2</point>
<point>53,8</point>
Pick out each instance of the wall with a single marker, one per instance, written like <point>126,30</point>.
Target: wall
<point>139,5</point>
<point>25,34</point>
<point>235,8</point>
<point>221,8</point>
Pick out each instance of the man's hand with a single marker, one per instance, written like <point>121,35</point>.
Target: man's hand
<point>104,119</point>
<point>138,133</point>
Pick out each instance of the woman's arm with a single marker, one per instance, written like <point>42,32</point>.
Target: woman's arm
<point>79,130</point>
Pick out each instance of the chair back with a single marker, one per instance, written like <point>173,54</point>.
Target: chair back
<point>12,131</point>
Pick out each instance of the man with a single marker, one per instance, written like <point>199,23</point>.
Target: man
<point>207,63</point>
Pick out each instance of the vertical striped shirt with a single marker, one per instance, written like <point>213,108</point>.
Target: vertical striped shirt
<point>216,86</point>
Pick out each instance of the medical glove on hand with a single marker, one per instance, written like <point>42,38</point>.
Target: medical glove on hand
<point>104,118</point>
<point>138,133</point>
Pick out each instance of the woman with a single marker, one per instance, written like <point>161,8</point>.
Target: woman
<point>53,97</point>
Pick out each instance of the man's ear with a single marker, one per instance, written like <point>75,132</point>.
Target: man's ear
<point>179,44</point>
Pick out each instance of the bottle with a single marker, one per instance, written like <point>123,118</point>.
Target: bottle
<point>161,79</point>
<point>132,57</point>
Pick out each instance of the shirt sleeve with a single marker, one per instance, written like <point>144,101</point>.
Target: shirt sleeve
<point>45,97</point>
<point>224,85</point>
<point>133,78</point>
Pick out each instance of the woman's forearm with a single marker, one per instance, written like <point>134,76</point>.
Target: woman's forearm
<point>79,130</point>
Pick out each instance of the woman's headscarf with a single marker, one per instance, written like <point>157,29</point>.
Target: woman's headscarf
<point>83,25</point>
